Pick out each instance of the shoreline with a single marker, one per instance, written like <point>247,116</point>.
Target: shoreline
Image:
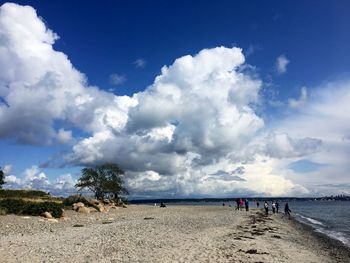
<point>142,233</point>
<point>322,237</point>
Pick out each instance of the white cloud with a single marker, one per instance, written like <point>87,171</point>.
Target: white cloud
<point>252,49</point>
<point>34,178</point>
<point>12,180</point>
<point>40,86</point>
<point>64,136</point>
<point>117,79</point>
<point>198,117</point>
<point>140,63</point>
<point>293,103</point>
<point>324,116</point>
<point>7,169</point>
<point>281,145</point>
<point>190,122</point>
<point>281,64</point>
<point>205,110</point>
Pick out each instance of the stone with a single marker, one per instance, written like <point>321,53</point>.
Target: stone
<point>125,206</point>
<point>93,209</point>
<point>47,215</point>
<point>95,201</point>
<point>101,208</point>
<point>76,206</point>
<point>52,220</point>
<point>84,210</point>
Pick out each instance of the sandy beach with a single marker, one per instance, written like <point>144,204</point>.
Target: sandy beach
<point>173,234</point>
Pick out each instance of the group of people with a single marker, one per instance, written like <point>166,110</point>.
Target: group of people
<point>275,206</point>
<point>240,204</point>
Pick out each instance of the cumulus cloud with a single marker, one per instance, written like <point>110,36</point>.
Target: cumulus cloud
<point>281,145</point>
<point>117,79</point>
<point>64,136</point>
<point>297,103</point>
<point>281,64</point>
<point>222,175</point>
<point>197,117</point>
<point>324,117</point>
<point>200,105</point>
<point>34,178</point>
<point>7,169</point>
<point>40,86</point>
<point>140,63</point>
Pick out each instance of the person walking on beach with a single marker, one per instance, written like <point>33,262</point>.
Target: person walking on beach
<point>246,205</point>
<point>273,207</point>
<point>241,203</point>
<point>257,204</point>
<point>277,206</point>
<point>287,211</point>
<point>266,207</point>
<point>237,203</point>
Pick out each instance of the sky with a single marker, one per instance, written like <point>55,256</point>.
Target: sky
<point>190,98</point>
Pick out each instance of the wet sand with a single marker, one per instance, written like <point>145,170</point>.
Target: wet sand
<point>172,234</point>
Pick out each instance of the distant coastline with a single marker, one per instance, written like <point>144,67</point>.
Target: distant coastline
<point>282,199</point>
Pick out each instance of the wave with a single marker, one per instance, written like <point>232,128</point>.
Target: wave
<point>311,220</point>
<point>321,228</point>
<point>335,235</point>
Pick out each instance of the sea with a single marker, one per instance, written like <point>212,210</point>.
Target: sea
<point>331,218</point>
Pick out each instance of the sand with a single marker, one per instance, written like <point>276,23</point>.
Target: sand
<point>172,234</point>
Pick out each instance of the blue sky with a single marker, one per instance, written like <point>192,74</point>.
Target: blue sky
<point>295,53</point>
<point>116,33</point>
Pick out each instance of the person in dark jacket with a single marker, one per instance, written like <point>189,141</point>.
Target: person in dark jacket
<point>277,206</point>
<point>287,211</point>
<point>237,202</point>
<point>246,203</point>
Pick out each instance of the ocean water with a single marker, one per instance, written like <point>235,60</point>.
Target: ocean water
<point>331,218</point>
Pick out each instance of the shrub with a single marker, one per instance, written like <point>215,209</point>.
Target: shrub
<point>70,200</point>
<point>3,211</point>
<point>21,207</point>
<point>23,194</point>
<point>124,200</point>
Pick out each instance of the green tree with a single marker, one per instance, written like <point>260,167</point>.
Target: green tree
<point>102,180</point>
<point>2,178</point>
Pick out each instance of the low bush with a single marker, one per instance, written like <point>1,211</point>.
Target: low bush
<point>70,200</point>
<point>22,207</point>
<point>124,200</point>
<point>7,193</point>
